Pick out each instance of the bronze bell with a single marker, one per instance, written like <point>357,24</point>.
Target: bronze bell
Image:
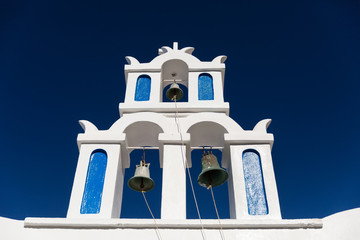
<point>211,173</point>
<point>141,181</point>
<point>174,92</point>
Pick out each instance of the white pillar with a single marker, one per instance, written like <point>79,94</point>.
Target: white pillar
<point>269,181</point>
<point>113,182</point>
<point>236,186</point>
<point>193,87</point>
<point>218,86</point>
<point>131,87</point>
<point>237,191</point>
<point>156,90</point>
<point>173,202</point>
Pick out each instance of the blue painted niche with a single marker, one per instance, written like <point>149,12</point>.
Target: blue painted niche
<point>254,183</point>
<point>143,87</point>
<point>91,201</point>
<point>205,87</point>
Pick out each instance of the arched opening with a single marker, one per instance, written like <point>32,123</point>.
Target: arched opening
<point>133,204</point>
<point>139,135</point>
<point>254,183</point>
<point>94,184</point>
<point>206,134</point>
<point>205,87</point>
<point>143,88</point>
<point>174,71</point>
<point>203,195</point>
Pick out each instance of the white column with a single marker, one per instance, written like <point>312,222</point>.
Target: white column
<point>193,87</point>
<point>156,89</point>
<point>113,182</point>
<point>269,181</point>
<point>217,86</point>
<point>173,202</point>
<point>236,187</point>
<point>237,191</point>
<point>130,87</point>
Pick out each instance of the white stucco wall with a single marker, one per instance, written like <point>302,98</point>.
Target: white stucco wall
<point>344,225</point>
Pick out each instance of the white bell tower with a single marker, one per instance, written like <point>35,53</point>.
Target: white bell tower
<point>147,119</point>
<point>201,118</point>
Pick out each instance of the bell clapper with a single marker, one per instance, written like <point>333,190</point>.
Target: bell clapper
<point>142,183</point>
<point>209,181</point>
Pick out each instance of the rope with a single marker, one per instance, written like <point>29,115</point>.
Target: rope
<point>187,168</point>
<point>217,213</point>
<point>157,228</point>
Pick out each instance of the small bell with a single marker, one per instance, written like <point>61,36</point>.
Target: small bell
<point>141,181</point>
<point>211,173</point>
<point>174,92</point>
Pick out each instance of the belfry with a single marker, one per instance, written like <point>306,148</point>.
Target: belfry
<point>149,118</point>
<point>175,104</point>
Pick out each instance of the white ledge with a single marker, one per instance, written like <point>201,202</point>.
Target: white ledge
<point>170,224</point>
<point>169,107</point>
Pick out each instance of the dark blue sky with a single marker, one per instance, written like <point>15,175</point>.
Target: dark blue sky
<point>296,62</point>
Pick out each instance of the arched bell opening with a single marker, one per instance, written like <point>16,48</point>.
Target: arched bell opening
<point>174,71</point>
<point>203,195</point>
<point>209,135</point>
<point>139,136</point>
<point>133,204</point>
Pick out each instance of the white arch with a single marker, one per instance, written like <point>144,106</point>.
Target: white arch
<point>175,55</point>
<point>222,119</point>
<point>143,133</point>
<point>207,133</point>
<point>164,123</point>
<point>178,67</point>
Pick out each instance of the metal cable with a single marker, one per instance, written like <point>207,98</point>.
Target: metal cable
<point>157,228</point>
<point>187,168</point>
<point>217,213</point>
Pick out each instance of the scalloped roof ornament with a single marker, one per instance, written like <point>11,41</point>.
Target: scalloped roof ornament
<point>166,52</point>
<point>166,49</point>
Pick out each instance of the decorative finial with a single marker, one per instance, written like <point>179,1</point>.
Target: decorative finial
<point>175,48</point>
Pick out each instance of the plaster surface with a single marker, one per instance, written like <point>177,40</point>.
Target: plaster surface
<point>344,225</point>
